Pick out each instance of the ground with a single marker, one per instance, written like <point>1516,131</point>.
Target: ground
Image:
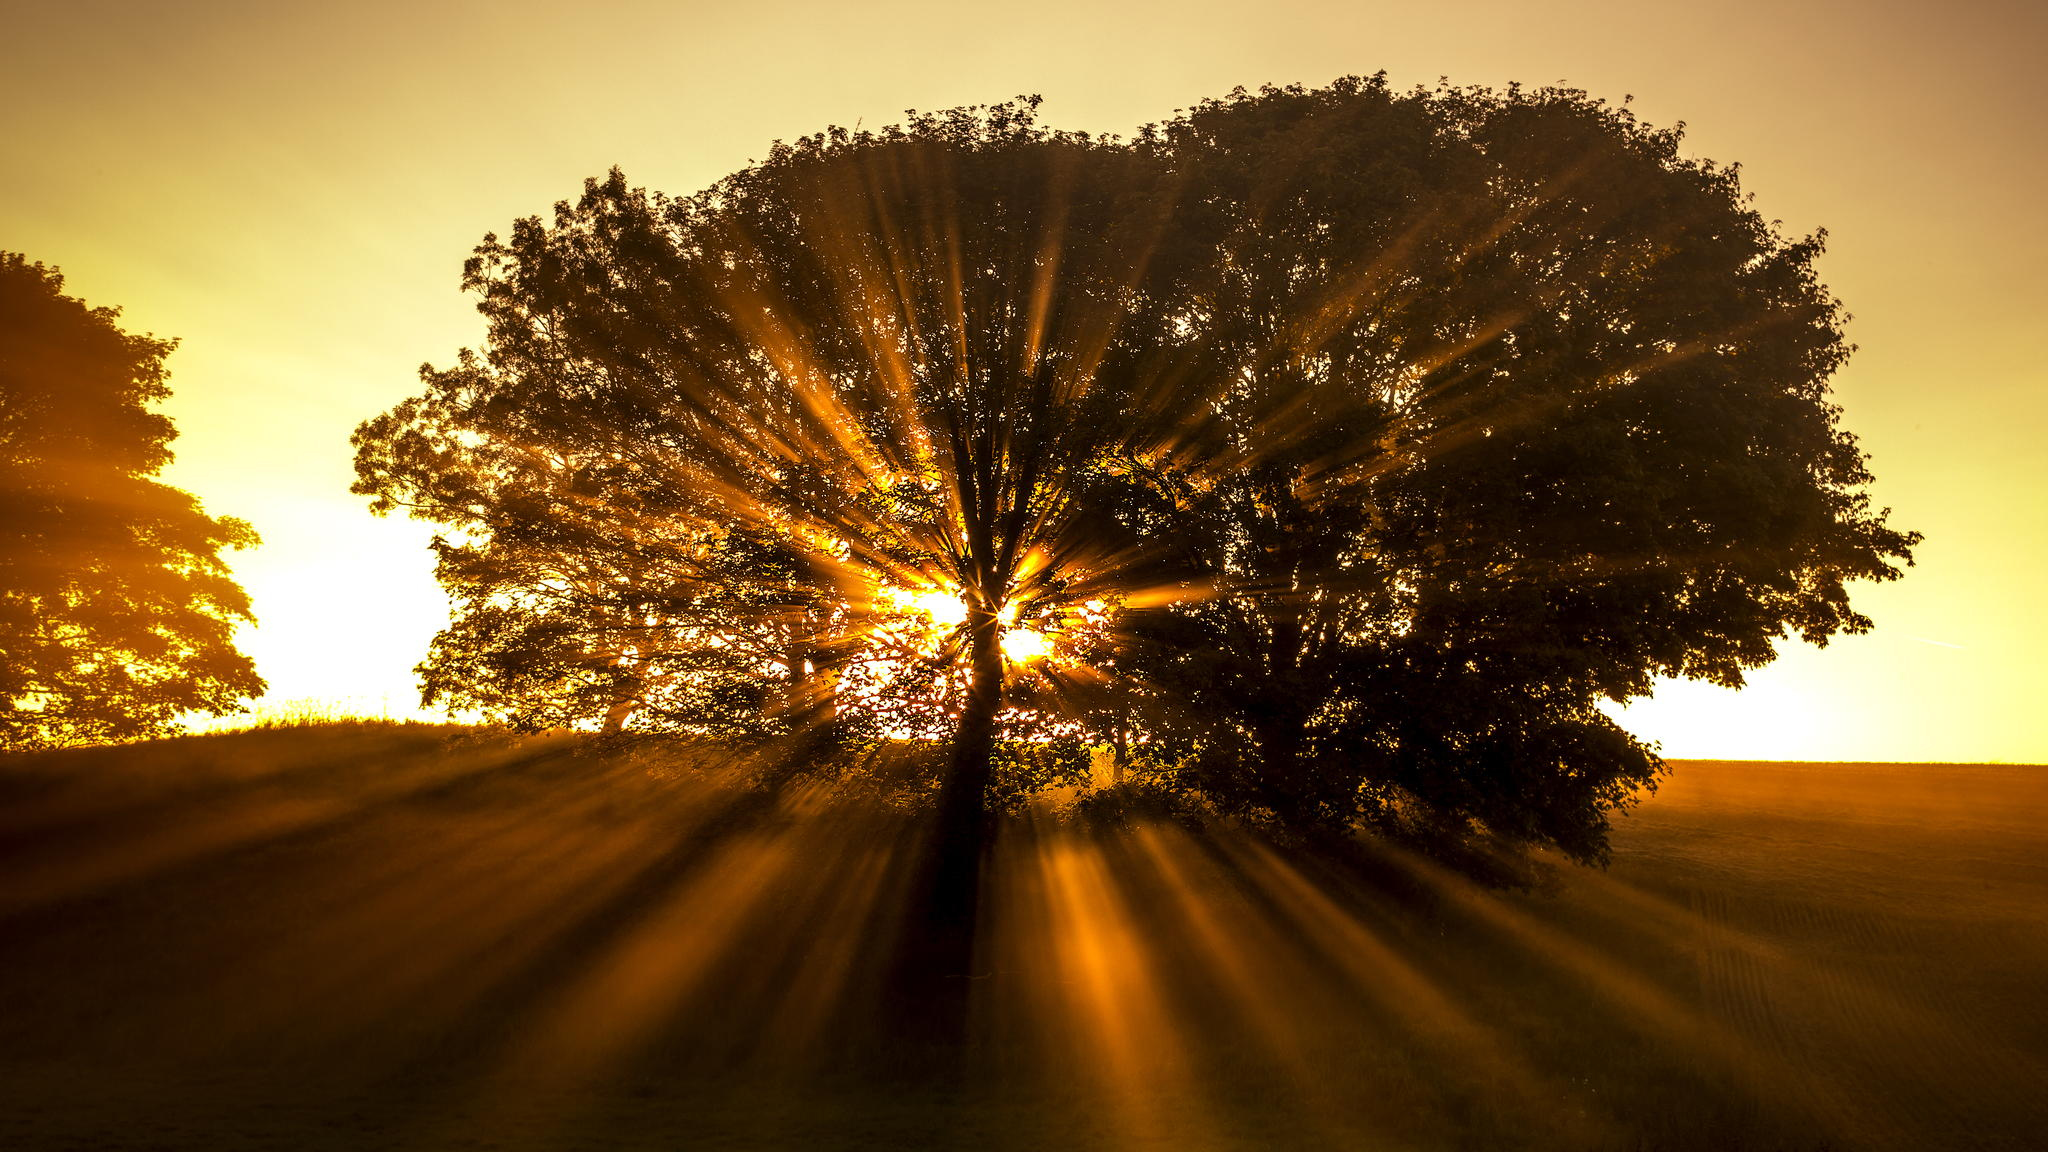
<point>370,936</point>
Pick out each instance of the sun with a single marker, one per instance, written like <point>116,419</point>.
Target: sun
<point>1024,645</point>
<point>944,610</point>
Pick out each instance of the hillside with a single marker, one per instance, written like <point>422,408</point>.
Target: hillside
<point>402,936</point>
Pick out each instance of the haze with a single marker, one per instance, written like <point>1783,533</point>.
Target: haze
<point>291,193</point>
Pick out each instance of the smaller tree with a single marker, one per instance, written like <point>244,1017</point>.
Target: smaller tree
<point>117,613</point>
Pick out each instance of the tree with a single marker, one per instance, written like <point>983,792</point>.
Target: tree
<point>1356,444</point>
<point>1525,409</point>
<point>116,611</point>
<point>888,362</point>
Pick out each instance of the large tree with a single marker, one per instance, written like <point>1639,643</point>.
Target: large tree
<point>1363,442</point>
<point>1525,409</point>
<point>117,613</point>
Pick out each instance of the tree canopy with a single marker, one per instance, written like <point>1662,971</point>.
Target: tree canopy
<point>117,613</point>
<point>1337,452</point>
<point>1528,410</point>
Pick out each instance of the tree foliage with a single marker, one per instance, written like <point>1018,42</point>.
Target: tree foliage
<point>1526,410</point>
<point>853,361</point>
<point>1354,445</point>
<point>116,611</point>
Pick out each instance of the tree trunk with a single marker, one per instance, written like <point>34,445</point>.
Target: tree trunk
<point>1280,745</point>
<point>793,707</point>
<point>625,698</point>
<point>962,829</point>
<point>930,985</point>
<point>616,716</point>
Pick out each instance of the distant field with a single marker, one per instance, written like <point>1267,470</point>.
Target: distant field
<point>357,937</point>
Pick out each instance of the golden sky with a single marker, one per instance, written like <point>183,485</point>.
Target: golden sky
<point>291,191</point>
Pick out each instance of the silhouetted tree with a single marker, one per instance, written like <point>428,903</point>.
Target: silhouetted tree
<point>116,611</point>
<point>1525,409</point>
<point>1362,443</point>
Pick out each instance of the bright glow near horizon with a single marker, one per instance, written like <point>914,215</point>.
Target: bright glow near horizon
<point>292,191</point>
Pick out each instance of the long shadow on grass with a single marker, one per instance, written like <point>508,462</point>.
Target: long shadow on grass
<point>620,947</point>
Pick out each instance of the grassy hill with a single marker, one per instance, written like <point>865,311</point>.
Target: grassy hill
<point>388,936</point>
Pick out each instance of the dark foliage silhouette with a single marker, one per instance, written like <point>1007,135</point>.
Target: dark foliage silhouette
<point>116,611</point>
<point>1351,445</point>
<point>1525,409</point>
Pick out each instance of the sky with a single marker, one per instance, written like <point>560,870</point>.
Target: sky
<point>291,192</point>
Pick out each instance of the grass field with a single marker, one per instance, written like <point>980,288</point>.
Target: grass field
<point>384,936</point>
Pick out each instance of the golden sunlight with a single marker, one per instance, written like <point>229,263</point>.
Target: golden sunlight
<point>941,610</point>
<point>1023,645</point>
<point>945,608</point>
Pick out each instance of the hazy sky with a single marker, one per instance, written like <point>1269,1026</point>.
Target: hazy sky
<point>291,191</point>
